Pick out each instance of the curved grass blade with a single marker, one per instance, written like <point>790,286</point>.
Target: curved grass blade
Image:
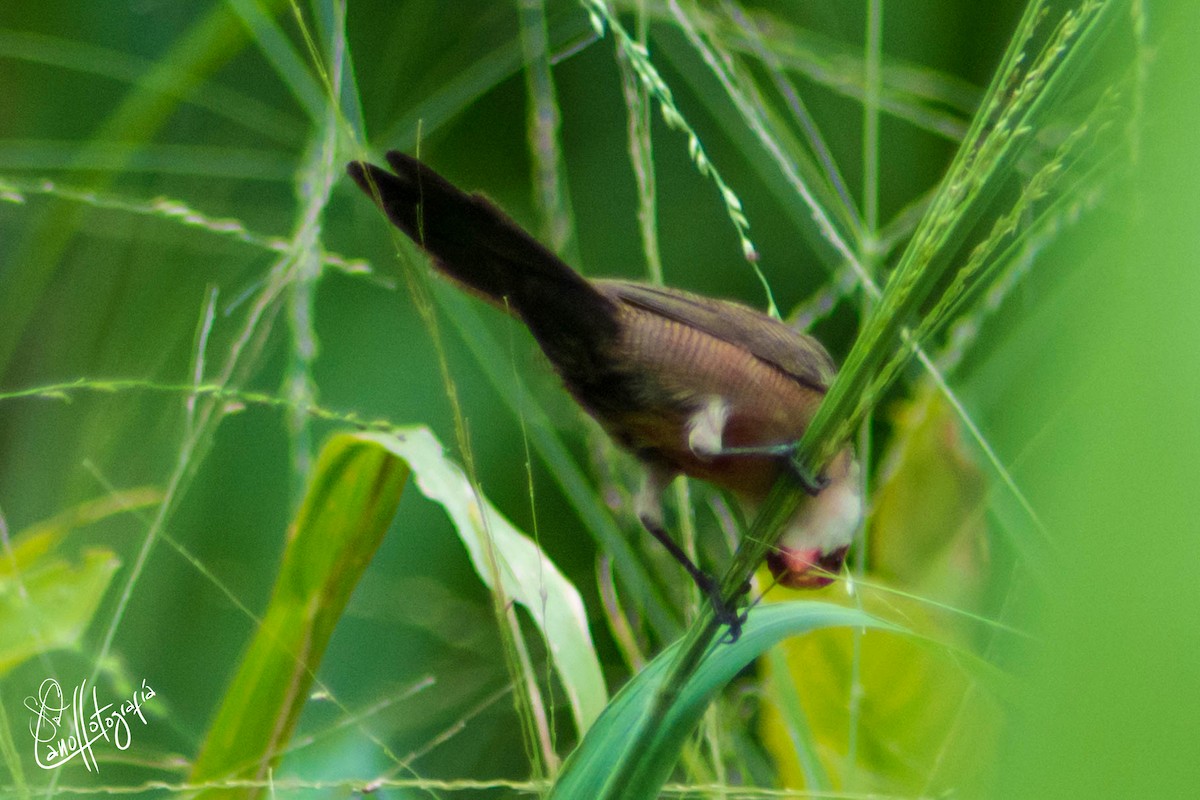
<point>588,771</point>
<point>348,507</point>
<point>527,576</point>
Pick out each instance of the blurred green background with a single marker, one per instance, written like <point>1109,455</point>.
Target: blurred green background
<point>1083,379</point>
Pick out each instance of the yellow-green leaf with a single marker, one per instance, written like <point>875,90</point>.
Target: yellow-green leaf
<point>46,602</point>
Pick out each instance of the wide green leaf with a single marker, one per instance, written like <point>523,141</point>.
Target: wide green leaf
<point>587,772</point>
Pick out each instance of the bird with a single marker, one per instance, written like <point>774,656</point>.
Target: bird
<point>708,388</point>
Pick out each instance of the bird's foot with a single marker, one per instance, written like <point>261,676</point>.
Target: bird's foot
<point>722,612</point>
<point>811,485</point>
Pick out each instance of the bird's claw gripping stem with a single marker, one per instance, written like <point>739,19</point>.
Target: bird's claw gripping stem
<point>705,582</point>
<point>812,486</point>
<point>724,615</point>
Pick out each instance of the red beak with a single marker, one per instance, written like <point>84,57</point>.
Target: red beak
<point>806,569</point>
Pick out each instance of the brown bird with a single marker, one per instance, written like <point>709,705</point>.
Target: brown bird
<point>688,384</point>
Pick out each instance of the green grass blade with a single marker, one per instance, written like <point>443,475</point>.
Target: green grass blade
<point>472,82</point>
<point>351,500</point>
<point>166,77</point>
<point>10,756</point>
<point>124,158</point>
<point>543,129</point>
<point>595,767</point>
<point>289,63</point>
<point>931,100</point>
<point>343,85</point>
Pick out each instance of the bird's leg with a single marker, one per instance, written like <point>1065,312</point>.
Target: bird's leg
<point>649,511</point>
<point>706,428</point>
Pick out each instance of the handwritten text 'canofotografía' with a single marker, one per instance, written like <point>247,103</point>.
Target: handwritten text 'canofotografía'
<point>88,723</point>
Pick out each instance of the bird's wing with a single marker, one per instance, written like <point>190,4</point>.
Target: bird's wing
<point>800,356</point>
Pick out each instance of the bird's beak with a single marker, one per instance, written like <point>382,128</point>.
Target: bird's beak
<point>806,568</point>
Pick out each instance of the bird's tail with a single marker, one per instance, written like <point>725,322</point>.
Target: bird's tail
<point>477,245</point>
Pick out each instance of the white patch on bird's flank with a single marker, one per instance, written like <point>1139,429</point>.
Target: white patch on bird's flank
<point>707,427</point>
